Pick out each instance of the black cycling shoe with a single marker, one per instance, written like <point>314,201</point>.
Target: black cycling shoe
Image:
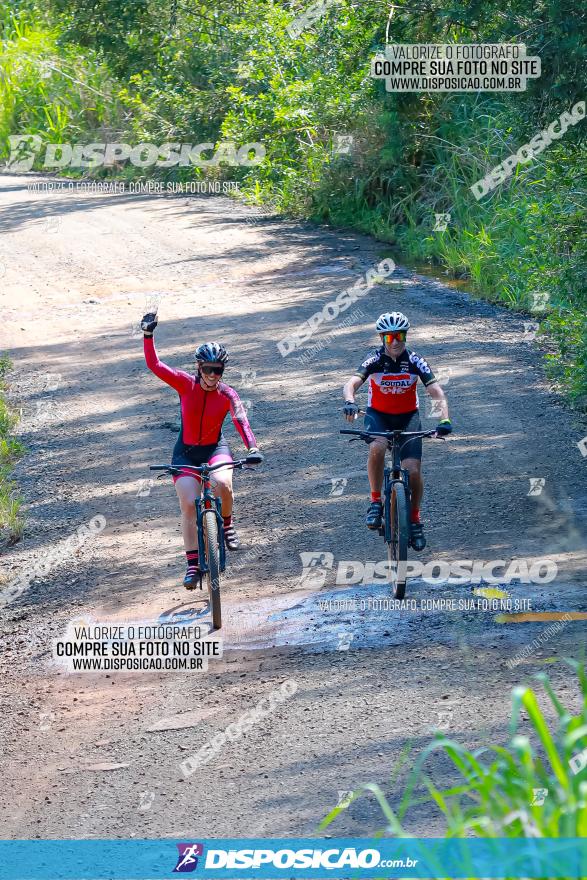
<point>417,539</point>
<point>374,515</point>
<point>193,578</point>
<point>231,538</point>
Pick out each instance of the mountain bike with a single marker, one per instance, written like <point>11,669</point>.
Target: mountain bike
<point>211,549</point>
<point>395,529</point>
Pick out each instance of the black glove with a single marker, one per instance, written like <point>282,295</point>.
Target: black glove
<point>148,323</point>
<point>443,428</point>
<point>350,408</point>
<point>254,456</point>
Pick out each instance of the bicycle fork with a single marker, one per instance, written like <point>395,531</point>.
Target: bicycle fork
<point>221,546</point>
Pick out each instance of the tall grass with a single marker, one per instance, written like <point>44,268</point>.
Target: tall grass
<point>495,789</point>
<point>56,92</point>
<point>11,521</point>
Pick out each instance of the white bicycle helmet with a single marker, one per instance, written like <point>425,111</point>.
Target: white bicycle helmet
<point>391,322</point>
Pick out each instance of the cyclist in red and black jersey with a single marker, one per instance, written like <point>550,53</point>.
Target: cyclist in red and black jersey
<point>205,401</point>
<point>393,372</point>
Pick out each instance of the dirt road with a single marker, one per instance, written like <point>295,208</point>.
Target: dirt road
<point>76,272</point>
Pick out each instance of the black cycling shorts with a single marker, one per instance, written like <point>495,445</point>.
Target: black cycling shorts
<point>198,455</point>
<point>375,420</point>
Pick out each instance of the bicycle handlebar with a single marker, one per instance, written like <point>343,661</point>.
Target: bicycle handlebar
<point>178,468</point>
<point>389,434</point>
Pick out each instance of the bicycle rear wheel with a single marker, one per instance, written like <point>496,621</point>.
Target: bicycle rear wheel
<point>213,557</point>
<point>397,549</point>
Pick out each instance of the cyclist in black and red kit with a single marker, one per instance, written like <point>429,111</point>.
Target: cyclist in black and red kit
<point>205,401</point>
<point>393,372</point>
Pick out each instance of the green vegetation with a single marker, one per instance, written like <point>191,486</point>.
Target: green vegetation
<point>46,89</point>
<point>496,789</point>
<point>147,70</point>
<point>11,522</point>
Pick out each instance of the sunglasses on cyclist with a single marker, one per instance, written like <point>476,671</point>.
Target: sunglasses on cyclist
<point>400,335</point>
<point>209,370</point>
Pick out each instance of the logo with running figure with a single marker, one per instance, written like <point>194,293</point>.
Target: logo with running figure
<point>187,860</point>
<point>23,151</point>
<point>316,566</point>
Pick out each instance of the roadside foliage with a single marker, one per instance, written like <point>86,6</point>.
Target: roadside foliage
<point>159,72</point>
<point>534,786</point>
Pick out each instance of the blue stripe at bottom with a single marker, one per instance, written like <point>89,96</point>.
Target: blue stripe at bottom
<point>290,858</point>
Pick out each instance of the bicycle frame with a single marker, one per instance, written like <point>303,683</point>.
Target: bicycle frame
<point>393,473</point>
<point>206,501</point>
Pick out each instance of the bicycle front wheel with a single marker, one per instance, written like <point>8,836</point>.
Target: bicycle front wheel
<point>213,558</point>
<point>397,549</point>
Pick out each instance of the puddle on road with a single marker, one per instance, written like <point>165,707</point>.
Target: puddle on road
<point>324,621</point>
<point>436,273</point>
<point>366,617</point>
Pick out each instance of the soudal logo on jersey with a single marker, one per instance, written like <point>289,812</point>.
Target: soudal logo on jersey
<point>396,383</point>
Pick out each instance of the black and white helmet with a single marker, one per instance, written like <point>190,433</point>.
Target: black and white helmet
<point>391,322</point>
<point>211,352</point>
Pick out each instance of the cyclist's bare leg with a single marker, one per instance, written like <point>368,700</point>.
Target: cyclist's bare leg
<point>376,464</point>
<point>188,489</point>
<point>414,466</point>
<point>375,468</point>
<point>222,482</point>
